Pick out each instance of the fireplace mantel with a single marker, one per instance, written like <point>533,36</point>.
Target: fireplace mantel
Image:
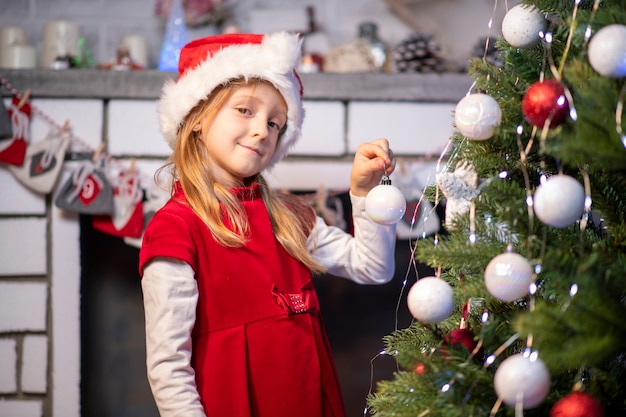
<point>447,87</point>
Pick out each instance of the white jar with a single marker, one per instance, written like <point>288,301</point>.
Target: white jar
<point>18,57</point>
<point>60,39</point>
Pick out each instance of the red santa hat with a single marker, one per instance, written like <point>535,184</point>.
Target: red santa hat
<point>212,61</point>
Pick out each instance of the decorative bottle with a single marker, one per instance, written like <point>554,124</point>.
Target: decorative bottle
<point>369,32</point>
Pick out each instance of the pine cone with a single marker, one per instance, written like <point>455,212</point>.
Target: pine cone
<point>486,47</point>
<point>418,53</point>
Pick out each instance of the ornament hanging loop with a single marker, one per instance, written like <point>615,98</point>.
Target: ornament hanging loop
<point>385,180</point>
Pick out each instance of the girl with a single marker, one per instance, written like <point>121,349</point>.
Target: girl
<point>233,327</point>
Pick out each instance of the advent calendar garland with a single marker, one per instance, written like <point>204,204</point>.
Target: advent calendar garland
<point>114,201</point>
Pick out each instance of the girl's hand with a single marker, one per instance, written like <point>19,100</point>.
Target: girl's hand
<point>372,160</point>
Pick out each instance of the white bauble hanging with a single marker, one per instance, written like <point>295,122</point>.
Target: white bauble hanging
<point>385,203</point>
<point>522,378</point>
<point>477,116</point>
<point>607,51</point>
<point>559,201</point>
<point>430,300</point>
<point>522,25</point>
<point>508,276</point>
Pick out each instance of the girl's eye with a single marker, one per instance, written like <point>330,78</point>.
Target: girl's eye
<point>274,125</point>
<point>244,110</point>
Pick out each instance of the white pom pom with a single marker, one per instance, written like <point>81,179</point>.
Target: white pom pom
<point>607,51</point>
<point>560,201</point>
<point>523,378</point>
<point>477,116</point>
<point>522,24</point>
<point>430,300</point>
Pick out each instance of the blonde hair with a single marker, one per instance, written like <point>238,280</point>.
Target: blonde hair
<point>292,219</point>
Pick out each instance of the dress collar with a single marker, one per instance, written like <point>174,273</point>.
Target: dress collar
<point>245,193</point>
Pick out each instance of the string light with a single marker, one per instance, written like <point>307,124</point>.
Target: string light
<point>618,115</point>
<point>484,318</point>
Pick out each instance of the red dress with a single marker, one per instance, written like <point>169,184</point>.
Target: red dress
<point>259,345</point>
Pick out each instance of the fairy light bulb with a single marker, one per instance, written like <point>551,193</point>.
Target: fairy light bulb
<point>385,203</point>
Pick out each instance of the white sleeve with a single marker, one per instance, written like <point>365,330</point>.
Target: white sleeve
<point>368,257</point>
<point>170,296</point>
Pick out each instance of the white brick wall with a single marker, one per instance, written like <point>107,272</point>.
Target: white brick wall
<point>22,201</point>
<point>133,129</point>
<point>23,306</point>
<point>25,252</point>
<point>85,117</point>
<point>323,129</point>
<point>35,364</point>
<point>8,364</point>
<point>21,408</point>
<point>412,128</point>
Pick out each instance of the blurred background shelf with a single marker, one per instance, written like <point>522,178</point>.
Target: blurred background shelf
<point>446,87</point>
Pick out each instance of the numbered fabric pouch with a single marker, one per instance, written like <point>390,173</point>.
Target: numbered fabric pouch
<point>42,164</point>
<point>127,217</point>
<point>155,199</point>
<point>88,191</point>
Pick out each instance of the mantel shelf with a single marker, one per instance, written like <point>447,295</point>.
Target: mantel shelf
<point>146,85</point>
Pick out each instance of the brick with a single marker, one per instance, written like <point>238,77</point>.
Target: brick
<point>35,364</point>
<point>65,314</point>
<point>412,128</point>
<point>23,306</point>
<point>23,251</point>
<point>8,364</point>
<point>134,129</point>
<point>20,408</point>
<point>323,130</point>
<point>23,200</point>
<point>85,117</point>
<point>310,175</point>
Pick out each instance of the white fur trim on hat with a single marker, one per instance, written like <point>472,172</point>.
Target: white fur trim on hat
<point>274,59</point>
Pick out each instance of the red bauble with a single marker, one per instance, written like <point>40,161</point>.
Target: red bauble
<point>461,337</point>
<point>543,100</point>
<point>577,404</point>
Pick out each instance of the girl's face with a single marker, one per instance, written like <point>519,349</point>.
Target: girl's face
<point>242,138</point>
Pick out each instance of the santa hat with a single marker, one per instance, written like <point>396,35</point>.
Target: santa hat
<point>212,61</point>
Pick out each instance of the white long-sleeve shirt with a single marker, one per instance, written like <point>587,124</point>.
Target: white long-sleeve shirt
<point>171,293</point>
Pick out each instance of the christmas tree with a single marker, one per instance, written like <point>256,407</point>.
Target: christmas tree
<point>526,312</point>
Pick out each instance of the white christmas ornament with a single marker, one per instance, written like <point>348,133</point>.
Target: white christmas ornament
<point>607,51</point>
<point>460,188</point>
<point>522,24</point>
<point>559,201</point>
<point>430,300</point>
<point>477,116</point>
<point>523,378</point>
<point>385,203</point>
<point>508,276</point>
